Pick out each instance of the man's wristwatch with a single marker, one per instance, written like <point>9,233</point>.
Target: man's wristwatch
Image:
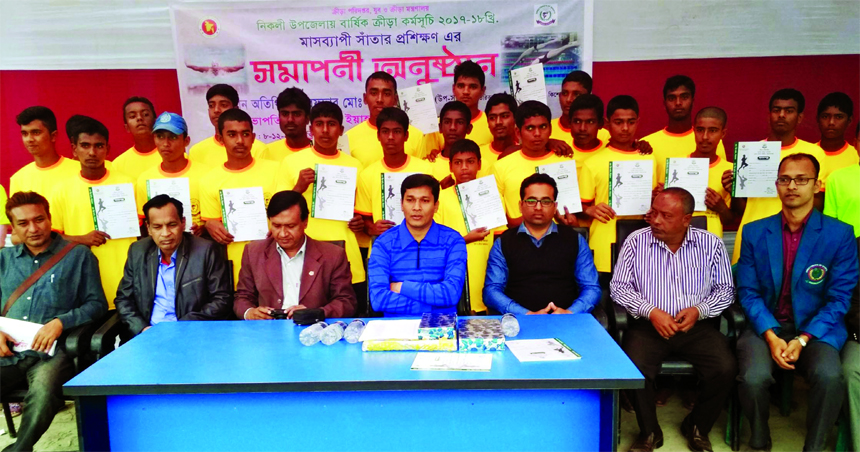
<point>801,340</point>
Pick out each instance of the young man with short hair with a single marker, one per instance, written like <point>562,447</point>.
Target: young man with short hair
<point>419,265</point>
<point>585,126</point>
<point>500,111</point>
<point>294,108</point>
<point>835,112</point>
<point>575,84</point>
<point>380,91</point>
<point>842,200</point>
<point>210,151</point>
<point>39,135</point>
<point>241,170</point>
<point>454,125</point>
<point>138,115</point>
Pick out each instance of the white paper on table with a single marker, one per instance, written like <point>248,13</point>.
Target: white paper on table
<point>23,333</point>
<point>334,192</point>
<point>391,208</point>
<point>527,83</point>
<point>551,349</point>
<point>177,188</point>
<point>114,210</point>
<point>756,168</point>
<point>420,105</point>
<point>691,175</point>
<point>481,203</point>
<point>384,330</point>
<point>630,185</point>
<point>473,362</point>
<point>566,179</point>
<point>243,211</point>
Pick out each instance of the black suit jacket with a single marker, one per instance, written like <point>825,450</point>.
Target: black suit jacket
<point>202,282</point>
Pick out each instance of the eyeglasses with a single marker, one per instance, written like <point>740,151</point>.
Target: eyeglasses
<point>545,202</point>
<point>784,180</point>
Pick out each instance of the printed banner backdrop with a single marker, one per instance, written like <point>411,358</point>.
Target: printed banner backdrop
<point>328,52</point>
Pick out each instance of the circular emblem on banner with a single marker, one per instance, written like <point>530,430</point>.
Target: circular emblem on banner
<point>209,27</point>
<point>545,15</point>
<point>815,273</point>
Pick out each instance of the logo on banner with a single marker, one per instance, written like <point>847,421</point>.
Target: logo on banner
<point>209,27</point>
<point>546,15</point>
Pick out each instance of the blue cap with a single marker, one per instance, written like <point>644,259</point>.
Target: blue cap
<point>170,122</point>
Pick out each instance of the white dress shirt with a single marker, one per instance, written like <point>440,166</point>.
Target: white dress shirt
<point>291,272</point>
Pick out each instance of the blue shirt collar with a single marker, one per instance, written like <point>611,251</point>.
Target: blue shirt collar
<point>405,237</point>
<point>57,243</point>
<point>172,257</point>
<point>553,228</point>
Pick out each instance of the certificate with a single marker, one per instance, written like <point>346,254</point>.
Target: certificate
<point>24,334</point>
<point>420,106</point>
<point>691,175</point>
<point>176,188</point>
<point>565,177</point>
<point>481,203</point>
<point>630,184</point>
<point>756,168</point>
<point>243,211</point>
<point>527,83</point>
<point>551,349</point>
<point>391,208</point>
<point>114,210</point>
<point>469,362</point>
<point>334,192</point>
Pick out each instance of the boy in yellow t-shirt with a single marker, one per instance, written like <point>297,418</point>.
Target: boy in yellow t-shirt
<point>138,114</point>
<point>500,111</point>
<point>294,108</point>
<point>842,200</point>
<point>575,84</point>
<point>210,151</point>
<point>454,125</point>
<point>834,116</point>
<point>586,122</point>
<point>48,168</point>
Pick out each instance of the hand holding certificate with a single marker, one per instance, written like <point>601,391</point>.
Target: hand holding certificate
<point>114,210</point>
<point>691,175</point>
<point>419,104</point>
<point>177,188</point>
<point>243,211</point>
<point>527,83</point>
<point>756,169</point>
<point>630,184</point>
<point>334,192</point>
<point>391,208</point>
<point>565,177</point>
<point>481,203</point>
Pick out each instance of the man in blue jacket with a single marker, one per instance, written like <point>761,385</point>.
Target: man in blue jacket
<point>795,277</point>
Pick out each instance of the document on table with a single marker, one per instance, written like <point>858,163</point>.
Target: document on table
<point>243,211</point>
<point>481,203</point>
<point>177,188</point>
<point>565,177</point>
<point>418,102</point>
<point>114,210</point>
<point>23,333</point>
<point>382,330</point>
<point>334,192</point>
<point>691,175</point>
<point>630,184</point>
<point>756,168</point>
<point>471,362</point>
<point>552,349</point>
<point>527,83</point>
<point>391,209</point>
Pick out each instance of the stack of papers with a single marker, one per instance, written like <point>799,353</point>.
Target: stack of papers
<point>453,361</point>
<point>398,335</point>
<point>23,333</point>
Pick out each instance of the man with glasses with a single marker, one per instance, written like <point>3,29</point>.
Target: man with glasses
<point>795,276</point>
<point>530,267</point>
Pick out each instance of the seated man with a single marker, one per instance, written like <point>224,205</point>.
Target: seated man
<point>191,276</point>
<point>657,264</point>
<point>795,276</point>
<point>68,295</point>
<point>540,260</point>
<point>419,265</point>
<point>851,363</point>
<point>291,271</point>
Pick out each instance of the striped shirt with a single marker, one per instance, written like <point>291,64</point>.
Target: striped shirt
<point>649,275</point>
<point>432,271</point>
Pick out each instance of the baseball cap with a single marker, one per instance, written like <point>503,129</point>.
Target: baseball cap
<point>170,122</point>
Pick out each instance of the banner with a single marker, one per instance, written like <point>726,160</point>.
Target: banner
<point>328,52</point>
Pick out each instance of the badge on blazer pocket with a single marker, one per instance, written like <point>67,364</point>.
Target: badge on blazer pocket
<point>815,273</point>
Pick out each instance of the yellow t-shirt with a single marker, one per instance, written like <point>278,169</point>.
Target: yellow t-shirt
<point>260,173</point>
<point>758,208</point>
<point>71,214</point>
<point>715,182</point>
<point>510,173</point>
<point>369,200</point>
<point>193,171</point>
<point>835,160</point>
<point>43,180</point>
<point>133,163</point>
<point>441,167</point>
<point>4,220</point>
<point>320,229</point>
<point>212,154</point>
<point>559,132</point>
<point>676,145</point>
<point>489,156</point>
<point>594,186</point>
<point>364,144</point>
<point>843,196</point>
<point>435,141</point>
<point>278,150</point>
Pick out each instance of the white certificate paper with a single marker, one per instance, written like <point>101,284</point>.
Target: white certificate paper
<point>529,350</point>
<point>114,210</point>
<point>177,188</point>
<point>420,106</point>
<point>565,177</point>
<point>391,208</point>
<point>756,168</point>
<point>481,203</point>
<point>334,192</point>
<point>630,184</point>
<point>389,330</point>
<point>691,175</point>
<point>23,333</point>
<point>470,362</point>
<point>243,211</point>
<point>527,83</point>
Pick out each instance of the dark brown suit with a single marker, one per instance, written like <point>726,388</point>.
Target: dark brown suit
<point>326,279</point>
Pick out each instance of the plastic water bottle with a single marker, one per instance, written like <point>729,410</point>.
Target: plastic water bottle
<point>332,333</point>
<point>510,325</point>
<point>353,331</point>
<point>311,335</point>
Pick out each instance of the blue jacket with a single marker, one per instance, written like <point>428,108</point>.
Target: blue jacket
<point>823,276</point>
